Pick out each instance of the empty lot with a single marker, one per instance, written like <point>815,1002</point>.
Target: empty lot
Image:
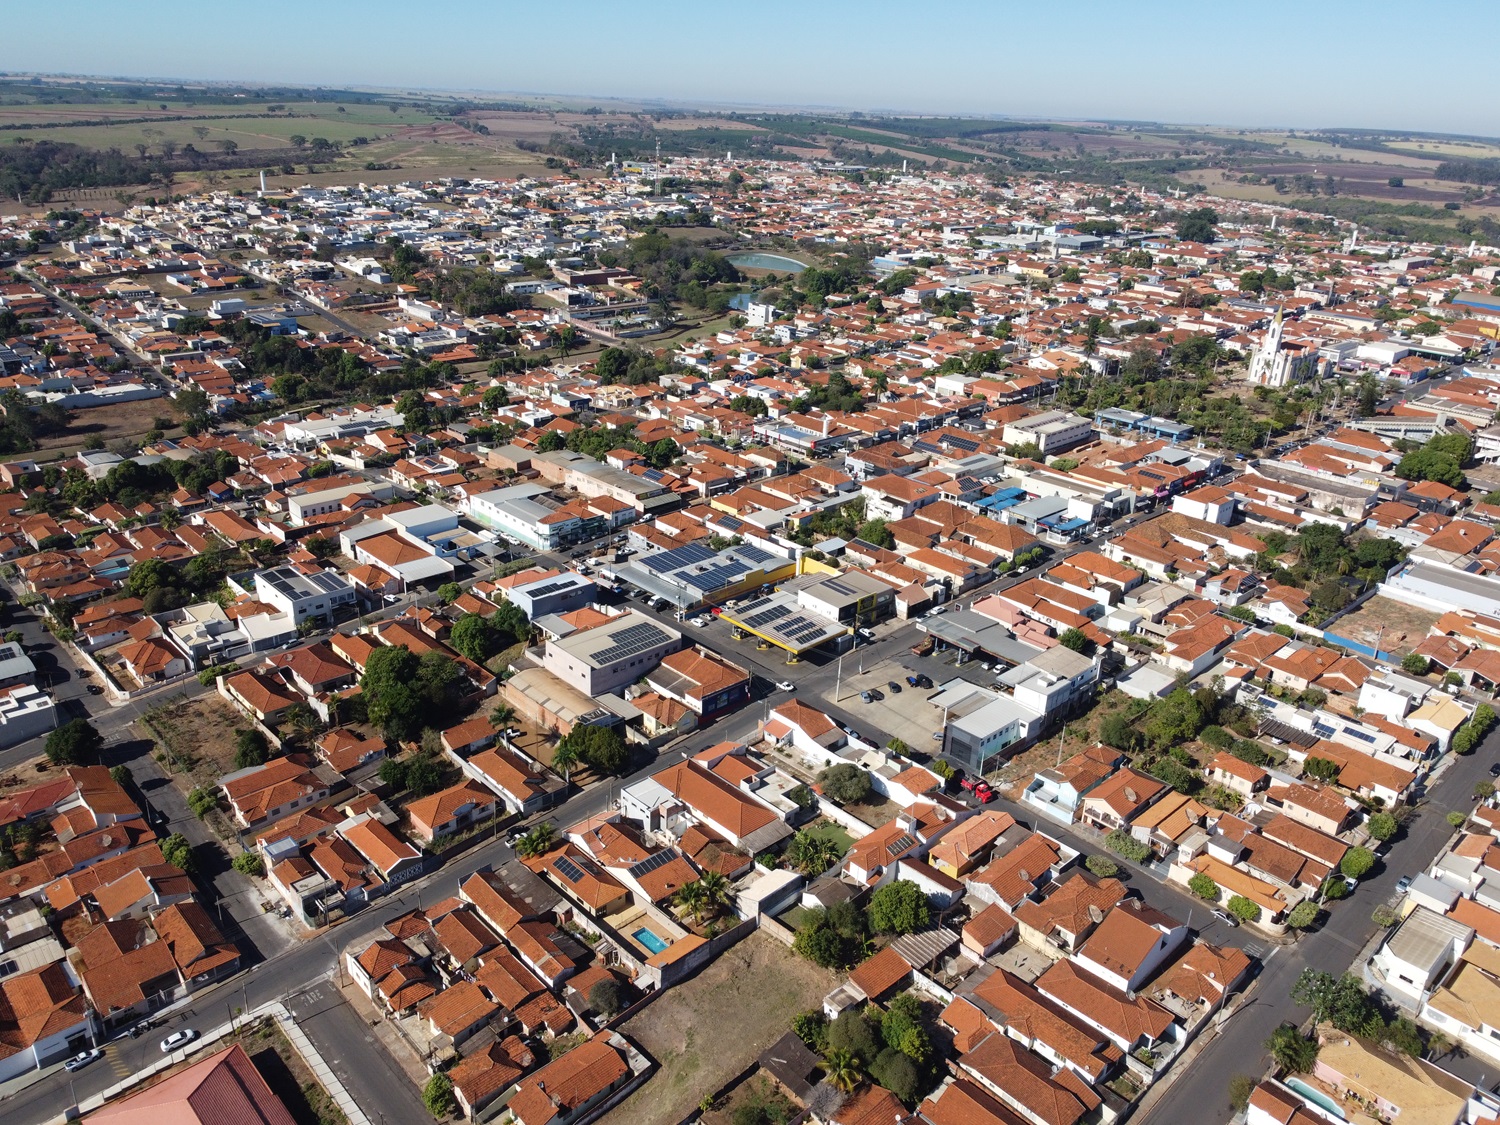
<point>706,1031</point>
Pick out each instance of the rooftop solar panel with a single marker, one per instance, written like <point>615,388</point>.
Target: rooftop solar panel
<point>651,863</point>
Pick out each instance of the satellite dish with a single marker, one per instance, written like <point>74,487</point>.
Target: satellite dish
<point>1025,875</point>
<point>1095,914</point>
<point>1130,795</point>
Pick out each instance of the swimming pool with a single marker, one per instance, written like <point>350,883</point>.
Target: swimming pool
<point>1316,1096</point>
<point>649,940</point>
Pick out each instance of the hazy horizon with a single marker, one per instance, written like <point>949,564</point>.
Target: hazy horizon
<point>1281,65</point>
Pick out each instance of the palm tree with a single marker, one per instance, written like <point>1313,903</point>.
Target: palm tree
<point>564,758</point>
<point>538,840</point>
<point>692,899</point>
<point>842,1069</point>
<point>715,891</point>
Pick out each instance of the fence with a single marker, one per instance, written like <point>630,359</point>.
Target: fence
<point>1362,649</point>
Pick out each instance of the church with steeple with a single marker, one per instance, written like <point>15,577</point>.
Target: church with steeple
<point>1277,363</point>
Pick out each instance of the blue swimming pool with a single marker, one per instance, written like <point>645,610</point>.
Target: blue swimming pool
<point>1315,1096</point>
<point>649,940</point>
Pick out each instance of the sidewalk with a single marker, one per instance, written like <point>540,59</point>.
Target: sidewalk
<point>289,1028</point>
<point>396,1045</point>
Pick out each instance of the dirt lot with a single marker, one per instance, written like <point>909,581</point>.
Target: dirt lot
<point>198,734</point>
<point>706,1031</point>
<point>1391,625</point>
<point>118,420</point>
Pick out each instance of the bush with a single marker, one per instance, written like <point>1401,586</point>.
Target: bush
<point>811,1027</point>
<point>1334,888</point>
<point>1484,790</point>
<point>437,1096</point>
<point>176,850</point>
<point>1303,915</point>
<point>1241,1086</point>
<point>1204,887</point>
<point>607,998</point>
<point>896,1073</point>
<point>1124,844</point>
<point>1102,866</point>
<point>249,863</point>
<point>1357,862</point>
<point>1321,769</point>
<point>203,801</point>
<point>1457,819</point>
<point>1217,737</point>
<point>1415,664</point>
<point>1243,909</point>
<point>74,742</point>
<point>250,748</point>
<point>899,907</point>
<point>1247,751</point>
<point>846,783</point>
<point>853,1033</point>
<point>1384,916</point>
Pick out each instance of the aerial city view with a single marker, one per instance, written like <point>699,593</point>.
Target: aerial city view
<point>651,565</point>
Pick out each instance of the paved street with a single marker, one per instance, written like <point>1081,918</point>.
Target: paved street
<point>1199,1092</point>
<point>292,968</point>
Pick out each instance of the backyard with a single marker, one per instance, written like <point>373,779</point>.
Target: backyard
<point>706,1031</point>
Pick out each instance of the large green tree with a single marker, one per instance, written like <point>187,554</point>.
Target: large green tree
<point>900,907</point>
<point>75,741</point>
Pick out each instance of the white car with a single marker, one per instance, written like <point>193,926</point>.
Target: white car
<point>785,685</point>
<point>702,622</point>
<point>178,1039</point>
<point>82,1059</point>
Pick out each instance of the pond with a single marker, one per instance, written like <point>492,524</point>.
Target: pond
<point>759,261</point>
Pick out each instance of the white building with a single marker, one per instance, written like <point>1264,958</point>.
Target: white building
<point>1052,431</point>
<point>304,596</point>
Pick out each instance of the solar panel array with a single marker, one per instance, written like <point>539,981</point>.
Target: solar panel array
<point>569,870</point>
<point>630,641</point>
<point>678,557</point>
<point>752,554</point>
<point>766,616</point>
<point>715,577</point>
<point>651,863</point>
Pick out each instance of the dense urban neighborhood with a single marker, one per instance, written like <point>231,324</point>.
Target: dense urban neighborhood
<point>746,641</point>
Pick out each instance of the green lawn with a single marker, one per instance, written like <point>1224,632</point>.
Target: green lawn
<point>829,830</point>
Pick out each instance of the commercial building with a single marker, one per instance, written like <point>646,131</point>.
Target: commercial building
<point>1051,431</point>
<point>608,657</point>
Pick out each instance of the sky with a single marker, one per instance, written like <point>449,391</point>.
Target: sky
<point>1271,63</point>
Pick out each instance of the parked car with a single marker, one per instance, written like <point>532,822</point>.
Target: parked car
<point>785,685</point>
<point>1227,918</point>
<point>140,1029</point>
<point>83,1058</point>
<point>1403,884</point>
<point>1495,770</point>
<point>866,697</point>
<point>894,686</point>
<point>178,1039</point>
<point>702,622</point>
<point>924,680</point>
<point>913,681</point>
<point>95,689</point>
<point>876,693</point>
<point>979,787</point>
<point>867,634</point>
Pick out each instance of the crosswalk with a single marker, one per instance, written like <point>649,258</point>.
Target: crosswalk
<point>115,1057</point>
<point>1254,949</point>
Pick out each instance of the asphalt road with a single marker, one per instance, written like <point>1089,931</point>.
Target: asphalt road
<point>294,972</point>
<point>1199,1092</point>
